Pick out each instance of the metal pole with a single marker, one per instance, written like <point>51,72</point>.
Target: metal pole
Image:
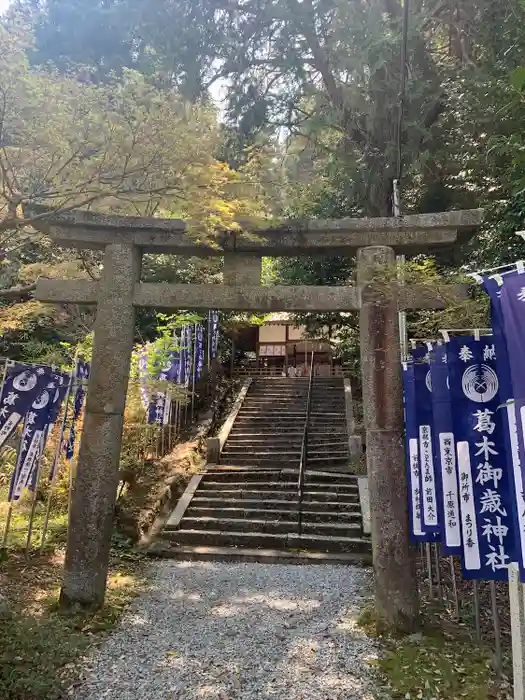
<point>209,339</point>
<point>58,451</point>
<point>10,507</point>
<point>477,611</point>
<point>438,571</point>
<point>35,493</point>
<point>193,370</point>
<point>498,657</point>
<point>429,567</point>
<point>454,586</point>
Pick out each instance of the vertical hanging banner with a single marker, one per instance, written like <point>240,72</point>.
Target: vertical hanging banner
<point>34,434</point>
<point>446,451</point>
<point>188,341</point>
<point>213,333</point>
<point>484,485</point>
<point>181,378</point>
<point>199,350</point>
<point>143,377</point>
<point>510,406</point>
<point>412,454</point>
<point>430,483</point>
<point>22,386</point>
<point>81,377</point>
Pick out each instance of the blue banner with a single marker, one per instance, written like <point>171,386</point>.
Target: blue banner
<point>510,407</point>
<point>213,333</point>
<point>199,350</point>
<point>412,454</point>
<point>22,386</point>
<point>188,356</point>
<point>449,515</point>
<point>484,485</point>
<point>34,434</point>
<point>430,483</point>
<point>81,376</point>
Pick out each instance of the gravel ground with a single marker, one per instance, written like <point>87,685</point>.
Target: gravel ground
<point>239,632</point>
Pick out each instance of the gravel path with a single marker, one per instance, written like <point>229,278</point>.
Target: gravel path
<point>239,632</point>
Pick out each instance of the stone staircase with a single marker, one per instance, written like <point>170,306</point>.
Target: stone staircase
<point>268,431</point>
<point>249,502</point>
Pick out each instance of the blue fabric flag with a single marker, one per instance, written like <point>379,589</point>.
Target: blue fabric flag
<point>412,454</point>
<point>484,485</point>
<point>36,426</point>
<point>199,352</point>
<point>81,377</point>
<point>181,378</point>
<point>213,333</point>
<point>22,386</point>
<point>510,407</point>
<point>449,515</point>
<point>430,483</point>
<point>188,356</point>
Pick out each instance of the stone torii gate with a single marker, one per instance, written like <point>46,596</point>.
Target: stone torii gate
<point>120,291</point>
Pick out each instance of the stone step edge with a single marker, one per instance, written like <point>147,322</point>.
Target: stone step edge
<point>276,536</point>
<point>193,512</point>
<point>257,556</point>
<point>279,470</point>
<point>224,522</point>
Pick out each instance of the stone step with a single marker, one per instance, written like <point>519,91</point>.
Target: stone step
<point>271,413</point>
<point>291,514</point>
<point>294,445</point>
<point>275,461</point>
<point>232,473</point>
<point>257,494</point>
<point>257,452</point>
<point>247,443</point>
<point>218,538</point>
<point>285,437</point>
<point>281,460</point>
<point>270,526</point>
<point>280,486</point>
<point>263,503</point>
<point>168,550</point>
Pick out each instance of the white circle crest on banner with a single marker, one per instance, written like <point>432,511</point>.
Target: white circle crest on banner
<point>25,381</point>
<point>480,383</point>
<point>42,400</point>
<point>428,381</point>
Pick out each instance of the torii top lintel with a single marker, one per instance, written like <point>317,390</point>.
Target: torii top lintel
<point>406,234</point>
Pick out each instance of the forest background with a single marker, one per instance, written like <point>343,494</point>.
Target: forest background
<point>216,110</point>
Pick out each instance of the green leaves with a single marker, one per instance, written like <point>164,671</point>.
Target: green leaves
<point>517,78</point>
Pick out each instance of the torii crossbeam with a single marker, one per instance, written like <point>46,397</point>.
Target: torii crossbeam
<point>120,291</point>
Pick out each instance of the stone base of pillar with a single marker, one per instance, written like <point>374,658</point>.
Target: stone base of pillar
<point>397,597</point>
<point>517,619</point>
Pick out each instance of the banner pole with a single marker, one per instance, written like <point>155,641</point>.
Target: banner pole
<point>193,371</point>
<point>58,452</point>
<point>498,656</point>
<point>35,493</point>
<point>10,507</point>
<point>454,586</point>
<point>438,571</point>
<point>476,610</point>
<point>429,567</point>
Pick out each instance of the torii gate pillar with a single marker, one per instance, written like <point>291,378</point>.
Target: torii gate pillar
<point>96,482</point>
<point>397,599</point>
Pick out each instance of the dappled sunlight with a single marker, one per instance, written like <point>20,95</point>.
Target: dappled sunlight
<point>235,632</point>
<point>119,580</point>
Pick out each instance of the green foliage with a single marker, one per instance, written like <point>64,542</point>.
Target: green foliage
<point>40,647</point>
<point>434,666</point>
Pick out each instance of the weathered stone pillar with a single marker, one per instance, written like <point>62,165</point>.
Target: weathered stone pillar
<point>93,497</point>
<point>242,269</point>
<point>397,602</point>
